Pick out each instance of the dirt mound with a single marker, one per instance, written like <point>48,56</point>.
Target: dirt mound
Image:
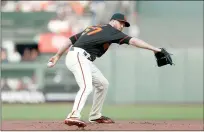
<point>119,125</point>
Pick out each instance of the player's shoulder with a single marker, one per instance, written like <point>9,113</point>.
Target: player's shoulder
<point>98,25</point>
<point>101,25</point>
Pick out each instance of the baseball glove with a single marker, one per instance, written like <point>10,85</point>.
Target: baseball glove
<point>163,58</point>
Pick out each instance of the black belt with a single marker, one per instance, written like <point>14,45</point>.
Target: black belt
<point>91,58</point>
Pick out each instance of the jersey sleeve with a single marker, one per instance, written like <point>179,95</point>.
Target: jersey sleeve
<point>75,37</point>
<point>121,38</point>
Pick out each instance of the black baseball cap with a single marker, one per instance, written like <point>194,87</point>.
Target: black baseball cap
<point>120,17</point>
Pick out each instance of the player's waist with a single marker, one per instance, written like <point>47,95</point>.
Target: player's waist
<point>83,52</point>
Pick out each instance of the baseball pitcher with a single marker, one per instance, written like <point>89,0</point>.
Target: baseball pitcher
<point>83,49</point>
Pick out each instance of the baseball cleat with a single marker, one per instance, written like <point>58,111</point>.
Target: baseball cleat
<point>74,121</point>
<point>102,119</point>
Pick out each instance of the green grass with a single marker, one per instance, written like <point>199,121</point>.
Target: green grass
<point>57,111</point>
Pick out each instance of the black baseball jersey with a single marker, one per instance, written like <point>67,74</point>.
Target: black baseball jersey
<point>96,39</point>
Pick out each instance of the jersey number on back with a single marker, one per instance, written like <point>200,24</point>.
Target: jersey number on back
<point>92,30</point>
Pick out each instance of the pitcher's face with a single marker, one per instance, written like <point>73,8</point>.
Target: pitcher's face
<point>119,25</point>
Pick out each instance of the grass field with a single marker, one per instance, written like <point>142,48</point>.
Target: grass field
<point>55,111</point>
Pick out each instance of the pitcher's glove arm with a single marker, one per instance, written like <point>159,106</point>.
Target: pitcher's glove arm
<point>163,58</point>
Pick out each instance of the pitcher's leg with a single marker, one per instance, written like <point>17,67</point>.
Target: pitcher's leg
<point>100,84</point>
<point>83,76</point>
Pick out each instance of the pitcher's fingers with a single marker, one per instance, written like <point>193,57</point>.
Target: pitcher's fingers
<point>51,59</point>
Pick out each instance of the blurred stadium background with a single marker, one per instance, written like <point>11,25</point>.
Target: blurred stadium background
<point>32,31</point>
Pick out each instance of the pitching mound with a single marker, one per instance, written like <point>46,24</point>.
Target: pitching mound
<point>119,125</point>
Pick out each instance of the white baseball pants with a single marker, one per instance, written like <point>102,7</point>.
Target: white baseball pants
<point>88,77</point>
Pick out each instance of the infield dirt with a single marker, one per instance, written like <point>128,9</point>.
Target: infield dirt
<point>119,125</point>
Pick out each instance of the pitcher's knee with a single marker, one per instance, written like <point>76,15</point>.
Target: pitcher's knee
<point>88,90</point>
<point>105,83</point>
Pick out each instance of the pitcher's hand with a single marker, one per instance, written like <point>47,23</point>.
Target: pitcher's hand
<point>52,61</point>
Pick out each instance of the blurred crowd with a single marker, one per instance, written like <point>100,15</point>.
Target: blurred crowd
<point>71,18</point>
<point>9,53</point>
<point>28,55</point>
<point>24,83</point>
<point>69,12</point>
<point>48,6</point>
